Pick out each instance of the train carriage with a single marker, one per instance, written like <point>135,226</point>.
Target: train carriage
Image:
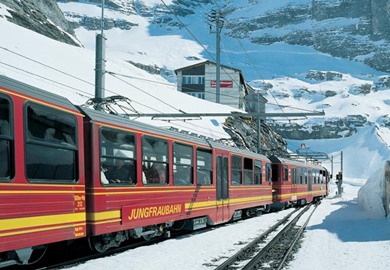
<point>296,182</point>
<point>42,193</point>
<point>170,180</point>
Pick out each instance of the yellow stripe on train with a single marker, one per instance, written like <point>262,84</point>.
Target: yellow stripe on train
<point>30,222</point>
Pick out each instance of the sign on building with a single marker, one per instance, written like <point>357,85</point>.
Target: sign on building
<point>222,84</point>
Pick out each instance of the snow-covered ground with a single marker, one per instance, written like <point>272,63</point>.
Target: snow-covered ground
<point>340,235</point>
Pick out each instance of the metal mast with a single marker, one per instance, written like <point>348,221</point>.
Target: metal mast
<point>218,18</point>
<point>100,64</point>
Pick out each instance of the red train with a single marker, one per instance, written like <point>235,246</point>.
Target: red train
<point>68,172</point>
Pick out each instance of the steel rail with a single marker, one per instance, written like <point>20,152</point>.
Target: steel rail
<point>256,241</point>
<point>256,259</point>
<point>297,237</point>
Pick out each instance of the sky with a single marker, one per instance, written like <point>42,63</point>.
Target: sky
<point>348,232</point>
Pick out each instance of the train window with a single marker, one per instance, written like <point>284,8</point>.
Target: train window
<point>224,183</point>
<point>258,172</point>
<point>182,165</point>
<point>306,176</point>
<point>248,171</point>
<point>285,173</point>
<point>51,149</point>
<point>236,170</point>
<point>318,176</point>
<point>6,141</point>
<point>155,160</point>
<point>314,176</point>
<point>204,170</point>
<point>268,172</point>
<point>117,157</point>
<point>322,176</point>
<point>294,176</point>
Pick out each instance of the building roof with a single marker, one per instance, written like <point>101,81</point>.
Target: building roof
<point>204,63</point>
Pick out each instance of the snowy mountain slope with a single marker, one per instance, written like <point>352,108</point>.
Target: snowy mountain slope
<point>288,70</point>
<point>69,71</point>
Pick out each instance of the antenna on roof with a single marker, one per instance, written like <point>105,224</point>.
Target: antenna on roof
<point>100,64</point>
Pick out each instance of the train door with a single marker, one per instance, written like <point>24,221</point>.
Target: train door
<point>222,203</point>
<point>310,180</point>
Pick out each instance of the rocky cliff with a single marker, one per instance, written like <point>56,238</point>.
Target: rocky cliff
<point>41,16</point>
<point>343,28</point>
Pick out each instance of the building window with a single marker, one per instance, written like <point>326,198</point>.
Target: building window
<point>155,160</point>
<point>193,79</point>
<point>6,141</point>
<point>182,165</point>
<point>51,149</point>
<point>197,94</point>
<point>117,157</point>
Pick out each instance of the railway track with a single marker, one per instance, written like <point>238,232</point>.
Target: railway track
<point>256,255</point>
<point>280,241</point>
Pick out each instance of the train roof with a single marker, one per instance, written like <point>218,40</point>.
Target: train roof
<point>125,122</point>
<point>276,159</point>
<point>22,88</point>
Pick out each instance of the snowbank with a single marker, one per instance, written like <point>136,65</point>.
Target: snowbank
<point>370,196</point>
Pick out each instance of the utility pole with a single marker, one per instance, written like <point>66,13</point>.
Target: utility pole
<point>100,64</point>
<point>331,166</point>
<point>218,18</point>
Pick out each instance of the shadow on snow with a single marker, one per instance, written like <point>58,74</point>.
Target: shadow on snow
<point>351,224</point>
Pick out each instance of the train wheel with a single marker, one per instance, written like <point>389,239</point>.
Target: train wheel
<point>267,209</point>
<point>96,244</point>
<point>30,256</point>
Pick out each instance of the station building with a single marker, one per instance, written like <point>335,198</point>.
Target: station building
<point>199,80</point>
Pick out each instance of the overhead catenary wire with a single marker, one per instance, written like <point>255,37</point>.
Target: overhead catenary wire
<point>253,64</point>
<point>45,78</point>
<point>86,94</point>
<point>219,7</point>
<point>45,65</point>
<point>197,128</point>
<point>197,40</point>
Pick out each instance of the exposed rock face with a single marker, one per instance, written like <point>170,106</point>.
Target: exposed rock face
<point>328,129</point>
<point>244,135</point>
<point>347,29</point>
<point>41,16</point>
<point>342,28</point>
